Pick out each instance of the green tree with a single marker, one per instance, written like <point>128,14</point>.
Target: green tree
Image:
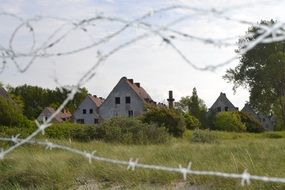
<point>228,121</point>
<point>262,71</point>
<point>194,105</point>
<point>10,114</point>
<point>34,99</point>
<point>171,119</point>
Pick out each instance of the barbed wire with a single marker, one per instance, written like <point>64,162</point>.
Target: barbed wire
<point>167,34</point>
<point>132,164</point>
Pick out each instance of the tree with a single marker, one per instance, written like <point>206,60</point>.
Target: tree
<point>228,121</point>
<point>34,99</point>
<point>262,71</point>
<point>194,105</point>
<point>10,114</point>
<point>171,119</point>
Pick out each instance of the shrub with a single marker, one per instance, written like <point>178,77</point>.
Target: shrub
<point>251,124</point>
<point>171,119</point>
<point>10,115</point>
<point>129,131</point>
<point>273,135</point>
<point>228,121</point>
<point>191,122</point>
<point>203,136</point>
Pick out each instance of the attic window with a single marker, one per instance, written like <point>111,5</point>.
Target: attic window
<point>226,108</point>
<point>128,99</point>
<point>84,111</point>
<point>117,100</point>
<point>219,109</point>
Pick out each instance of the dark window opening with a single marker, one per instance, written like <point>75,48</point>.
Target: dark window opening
<point>219,109</point>
<point>96,121</point>
<point>84,111</point>
<point>131,113</point>
<point>90,111</point>
<point>226,108</point>
<point>81,121</point>
<point>117,100</point>
<point>128,100</point>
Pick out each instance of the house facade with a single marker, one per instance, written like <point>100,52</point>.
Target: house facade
<point>60,117</point>
<point>126,99</point>
<point>88,111</point>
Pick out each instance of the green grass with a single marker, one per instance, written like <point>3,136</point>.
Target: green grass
<point>33,167</point>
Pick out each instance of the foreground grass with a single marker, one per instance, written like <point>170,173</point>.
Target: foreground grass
<point>33,167</point>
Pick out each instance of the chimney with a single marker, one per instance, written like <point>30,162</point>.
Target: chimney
<point>95,96</point>
<point>170,100</point>
<point>131,81</point>
<point>138,84</point>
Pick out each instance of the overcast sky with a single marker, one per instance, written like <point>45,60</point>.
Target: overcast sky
<point>150,61</point>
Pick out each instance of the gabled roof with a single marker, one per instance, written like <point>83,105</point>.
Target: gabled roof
<point>248,109</point>
<point>59,117</point>
<point>140,91</point>
<point>223,98</point>
<point>98,101</point>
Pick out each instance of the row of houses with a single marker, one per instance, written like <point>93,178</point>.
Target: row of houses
<point>128,99</point>
<point>224,104</point>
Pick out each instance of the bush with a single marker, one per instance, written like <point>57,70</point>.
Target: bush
<point>203,136</point>
<point>124,130</point>
<point>129,131</point>
<point>191,122</point>
<point>251,124</point>
<point>10,115</point>
<point>171,119</point>
<point>228,121</point>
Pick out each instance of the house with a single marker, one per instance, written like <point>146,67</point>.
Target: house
<point>222,104</point>
<point>4,93</point>
<point>88,111</point>
<point>126,99</point>
<point>60,117</point>
<point>267,122</point>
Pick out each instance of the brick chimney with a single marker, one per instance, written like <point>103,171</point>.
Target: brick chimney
<point>138,84</point>
<point>131,81</point>
<point>170,100</point>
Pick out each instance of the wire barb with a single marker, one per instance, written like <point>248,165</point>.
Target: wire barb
<point>245,178</point>
<point>132,164</point>
<point>185,171</point>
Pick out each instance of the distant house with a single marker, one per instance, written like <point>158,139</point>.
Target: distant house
<point>60,117</point>
<point>4,93</point>
<point>222,104</point>
<point>126,99</point>
<point>267,122</point>
<point>88,111</point>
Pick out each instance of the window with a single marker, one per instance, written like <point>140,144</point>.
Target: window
<point>128,99</point>
<point>96,121</point>
<point>84,111</point>
<point>131,113</point>
<point>226,108</point>
<point>219,109</point>
<point>81,121</point>
<point>90,111</point>
<point>117,100</point>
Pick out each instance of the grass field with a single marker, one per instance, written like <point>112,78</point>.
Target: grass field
<point>33,167</point>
